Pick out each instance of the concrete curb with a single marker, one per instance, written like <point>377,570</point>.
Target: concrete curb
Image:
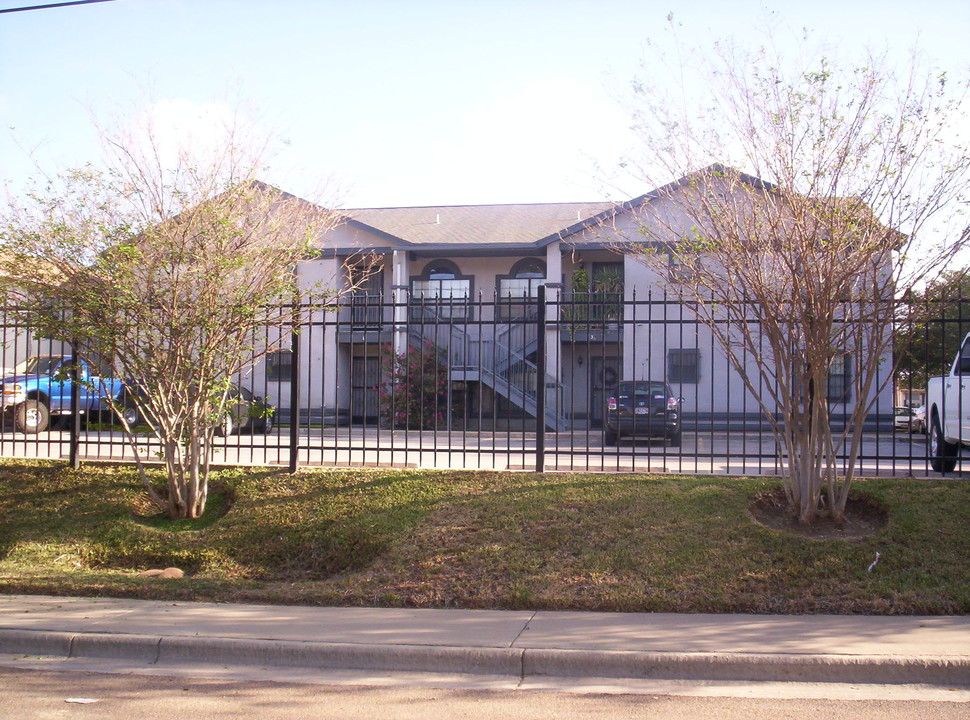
<point>520,663</point>
<point>343,656</point>
<point>767,667</point>
<point>36,642</point>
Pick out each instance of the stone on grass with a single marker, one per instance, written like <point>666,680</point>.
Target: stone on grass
<point>172,572</point>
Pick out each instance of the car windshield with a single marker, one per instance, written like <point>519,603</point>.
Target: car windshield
<point>642,389</point>
<point>235,393</point>
<point>40,365</point>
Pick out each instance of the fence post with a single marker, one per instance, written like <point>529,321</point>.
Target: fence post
<point>541,379</point>
<point>75,443</point>
<point>295,395</point>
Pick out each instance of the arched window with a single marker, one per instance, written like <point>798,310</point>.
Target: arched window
<point>526,276</point>
<point>440,291</point>
<point>516,289</point>
<point>440,270</point>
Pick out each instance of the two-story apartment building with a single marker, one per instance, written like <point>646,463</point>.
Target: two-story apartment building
<point>464,281</point>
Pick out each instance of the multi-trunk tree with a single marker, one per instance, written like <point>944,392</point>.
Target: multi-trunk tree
<point>794,251</point>
<point>174,271</point>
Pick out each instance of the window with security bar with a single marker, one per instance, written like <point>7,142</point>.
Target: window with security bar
<point>683,365</point>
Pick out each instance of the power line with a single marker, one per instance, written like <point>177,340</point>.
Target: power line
<point>52,5</point>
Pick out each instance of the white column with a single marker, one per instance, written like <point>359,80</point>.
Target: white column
<point>400,281</point>
<point>553,293</point>
<point>329,273</point>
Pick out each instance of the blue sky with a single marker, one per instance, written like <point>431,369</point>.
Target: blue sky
<point>401,103</point>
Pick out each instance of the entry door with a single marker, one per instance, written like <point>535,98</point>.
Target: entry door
<point>365,379</point>
<point>605,375</point>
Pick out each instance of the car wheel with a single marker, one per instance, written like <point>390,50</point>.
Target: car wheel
<point>227,427</point>
<point>32,417</point>
<point>267,424</point>
<point>131,416</point>
<point>943,455</point>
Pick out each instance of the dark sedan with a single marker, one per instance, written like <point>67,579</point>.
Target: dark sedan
<point>244,411</point>
<point>643,408</point>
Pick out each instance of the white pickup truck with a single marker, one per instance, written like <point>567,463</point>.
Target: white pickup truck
<point>948,411</point>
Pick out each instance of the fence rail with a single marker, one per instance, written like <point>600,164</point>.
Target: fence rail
<point>522,383</point>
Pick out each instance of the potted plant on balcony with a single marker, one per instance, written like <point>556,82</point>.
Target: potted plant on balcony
<point>608,290</point>
<point>575,312</point>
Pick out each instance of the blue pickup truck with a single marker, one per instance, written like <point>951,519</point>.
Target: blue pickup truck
<point>41,388</point>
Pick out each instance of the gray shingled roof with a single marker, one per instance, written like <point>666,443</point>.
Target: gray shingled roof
<point>477,224</point>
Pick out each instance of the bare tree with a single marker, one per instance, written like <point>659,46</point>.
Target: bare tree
<point>794,259</point>
<point>174,267</point>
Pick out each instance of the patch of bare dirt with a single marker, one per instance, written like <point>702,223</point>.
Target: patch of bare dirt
<point>220,500</point>
<point>864,516</point>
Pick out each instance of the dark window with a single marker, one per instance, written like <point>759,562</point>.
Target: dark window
<point>608,277</point>
<point>598,301</point>
<point>840,380</point>
<point>676,270</point>
<point>364,274</point>
<point>684,365</point>
<point>366,295</point>
<point>41,365</point>
<point>963,364</point>
<point>607,295</point>
<point>279,365</point>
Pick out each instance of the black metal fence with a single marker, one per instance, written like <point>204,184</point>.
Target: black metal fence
<point>516,383</point>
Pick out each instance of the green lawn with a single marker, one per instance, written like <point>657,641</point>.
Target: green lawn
<point>480,540</point>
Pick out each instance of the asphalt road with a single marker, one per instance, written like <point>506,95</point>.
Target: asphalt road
<point>39,695</point>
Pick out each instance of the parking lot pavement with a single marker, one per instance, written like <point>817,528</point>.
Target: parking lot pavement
<point>710,452</point>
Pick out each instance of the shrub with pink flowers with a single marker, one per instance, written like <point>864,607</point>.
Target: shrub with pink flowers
<point>414,394</point>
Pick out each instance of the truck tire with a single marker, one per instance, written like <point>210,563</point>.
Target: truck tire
<point>131,415</point>
<point>943,455</point>
<point>32,417</point>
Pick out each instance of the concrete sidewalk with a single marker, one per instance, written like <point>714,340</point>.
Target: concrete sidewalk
<point>517,644</point>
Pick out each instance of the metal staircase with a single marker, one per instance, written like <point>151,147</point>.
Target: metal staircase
<point>498,365</point>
